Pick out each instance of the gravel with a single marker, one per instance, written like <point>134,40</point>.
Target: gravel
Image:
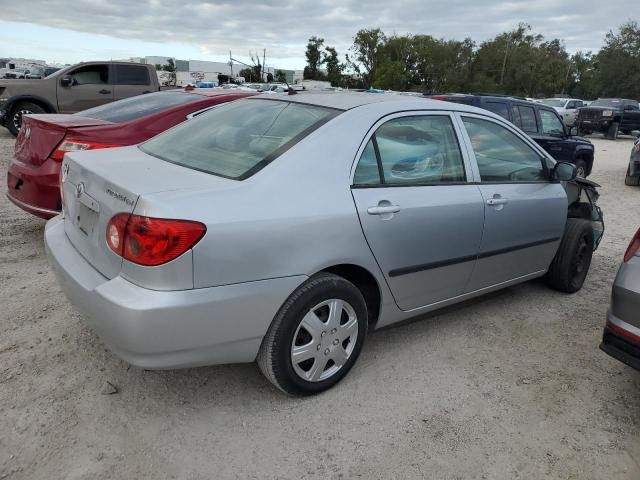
<point>509,386</point>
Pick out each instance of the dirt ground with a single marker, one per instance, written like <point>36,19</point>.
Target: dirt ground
<point>512,386</point>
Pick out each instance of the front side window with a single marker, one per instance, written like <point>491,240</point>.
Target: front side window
<point>499,108</point>
<point>551,124</point>
<point>501,156</point>
<point>132,75</point>
<point>91,75</point>
<point>238,139</point>
<point>414,150</point>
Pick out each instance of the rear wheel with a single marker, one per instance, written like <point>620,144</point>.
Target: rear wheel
<point>316,336</point>
<point>15,117</point>
<point>570,266</point>
<point>631,181</point>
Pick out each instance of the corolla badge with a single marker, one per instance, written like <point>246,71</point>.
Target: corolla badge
<point>79,189</point>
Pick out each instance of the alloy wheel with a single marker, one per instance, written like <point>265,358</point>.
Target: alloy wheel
<point>17,117</point>
<point>324,340</point>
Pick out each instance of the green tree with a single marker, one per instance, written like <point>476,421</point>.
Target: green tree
<point>618,63</point>
<point>366,45</point>
<point>333,65</point>
<point>314,58</point>
<point>281,76</point>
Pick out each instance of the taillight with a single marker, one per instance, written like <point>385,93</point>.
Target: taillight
<point>71,145</point>
<point>623,333</point>
<point>440,97</point>
<point>633,248</point>
<point>151,241</point>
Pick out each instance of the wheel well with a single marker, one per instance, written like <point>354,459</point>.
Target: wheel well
<point>365,282</point>
<point>35,100</point>
<point>588,158</point>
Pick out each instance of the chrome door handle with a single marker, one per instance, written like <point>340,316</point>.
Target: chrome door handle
<point>383,210</point>
<point>497,201</point>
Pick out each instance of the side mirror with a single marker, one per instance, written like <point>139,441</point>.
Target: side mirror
<point>66,81</point>
<point>564,172</point>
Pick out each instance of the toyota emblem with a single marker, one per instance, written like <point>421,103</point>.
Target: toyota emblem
<point>65,172</point>
<point>79,189</point>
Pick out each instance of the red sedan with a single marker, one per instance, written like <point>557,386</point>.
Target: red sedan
<point>32,179</point>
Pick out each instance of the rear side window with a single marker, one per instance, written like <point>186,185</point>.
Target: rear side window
<point>132,75</point>
<point>498,108</point>
<point>413,151</point>
<point>528,121</point>
<point>137,107</point>
<point>238,139</point>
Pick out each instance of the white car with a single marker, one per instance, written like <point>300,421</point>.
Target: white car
<point>567,108</point>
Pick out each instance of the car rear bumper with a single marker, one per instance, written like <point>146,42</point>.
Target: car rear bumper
<point>617,344</point>
<point>168,329</point>
<point>35,189</point>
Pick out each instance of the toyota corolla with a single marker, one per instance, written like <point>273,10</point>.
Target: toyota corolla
<point>281,230</point>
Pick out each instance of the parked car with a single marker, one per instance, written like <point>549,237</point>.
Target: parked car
<point>281,229</point>
<point>633,170</point>
<point>567,108</point>
<point>609,116</point>
<point>16,73</point>
<point>621,337</point>
<point>73,89</point>
<point>542,123</point>
<point>43,74</point>
<point>33,174</point>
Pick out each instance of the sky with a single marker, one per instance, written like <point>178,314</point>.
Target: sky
<point>69,31</point>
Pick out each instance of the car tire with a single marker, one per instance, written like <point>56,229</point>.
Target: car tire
<point>631,181</point>
<point>581,168</point>
<point>613,131</point>
<point>15,117</point>
<point>324,339</point>
<point>570,265</point>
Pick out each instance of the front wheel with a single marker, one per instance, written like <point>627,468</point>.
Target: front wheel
<point>15,117</point>
<point>570,266</point>
<point>316,336</point>
<point>630,180</point>
<point>581,168</point>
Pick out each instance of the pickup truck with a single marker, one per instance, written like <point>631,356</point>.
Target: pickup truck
<point>73,89</point>
<point>609,116</point>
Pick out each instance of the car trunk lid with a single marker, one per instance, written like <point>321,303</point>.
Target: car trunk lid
<point>42,133</point>
<point>97,185</point>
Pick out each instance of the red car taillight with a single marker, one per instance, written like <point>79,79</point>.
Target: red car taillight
<point>621,332</point>
<point>71,145</point>
<point>633,248</point>
<point>151,241</point>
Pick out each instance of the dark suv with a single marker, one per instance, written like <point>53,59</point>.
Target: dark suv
<point>540,122</point>
<point>609,116</point>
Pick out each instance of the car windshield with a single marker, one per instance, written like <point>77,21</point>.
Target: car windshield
<point>607,102</point>
<point>554,102</point>
<point>238,139</point>
<point>137,107</point>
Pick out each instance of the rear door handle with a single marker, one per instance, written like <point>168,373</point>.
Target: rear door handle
<point>383,210</point>
<point>104,92</point>
<point>497,201</point>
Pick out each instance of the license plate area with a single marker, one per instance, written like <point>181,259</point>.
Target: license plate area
<point>86,219</point>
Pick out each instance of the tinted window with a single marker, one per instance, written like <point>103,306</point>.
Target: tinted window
<point>607,102</point>
<point>527,119</point>
<point>239,138</point>
<point>91,75</point>
<point>418,150</point>
<point>498,108</point>
<point>571,105</point>
<point>139,106</point>
<point>132,75</point>
<point>551,124</point>
<point>501,155</point>
<point>367,172</point>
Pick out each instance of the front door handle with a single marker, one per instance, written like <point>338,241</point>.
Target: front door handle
<point>383,210</point>
<point>104,91</point>
<point>497,201</point>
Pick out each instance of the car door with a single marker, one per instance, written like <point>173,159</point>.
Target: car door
<point>131,80</point>
<point>90,86</point>
<point>420,216</point>
<point>524,211</point>
<point>553,136</point>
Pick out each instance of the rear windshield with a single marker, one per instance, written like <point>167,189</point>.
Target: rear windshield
<point>239,138</point>
<point>139,106</point>
<point>554,102</point>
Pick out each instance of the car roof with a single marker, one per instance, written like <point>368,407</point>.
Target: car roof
<point>349,100</point>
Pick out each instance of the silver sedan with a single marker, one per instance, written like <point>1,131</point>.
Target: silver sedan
<point>282,229</point>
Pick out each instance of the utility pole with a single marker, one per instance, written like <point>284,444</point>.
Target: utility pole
<point>504,62</point>
<point>231,67</point>
<point>264,59</point>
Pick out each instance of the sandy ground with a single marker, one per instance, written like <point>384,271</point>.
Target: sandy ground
<point>511,386</point>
